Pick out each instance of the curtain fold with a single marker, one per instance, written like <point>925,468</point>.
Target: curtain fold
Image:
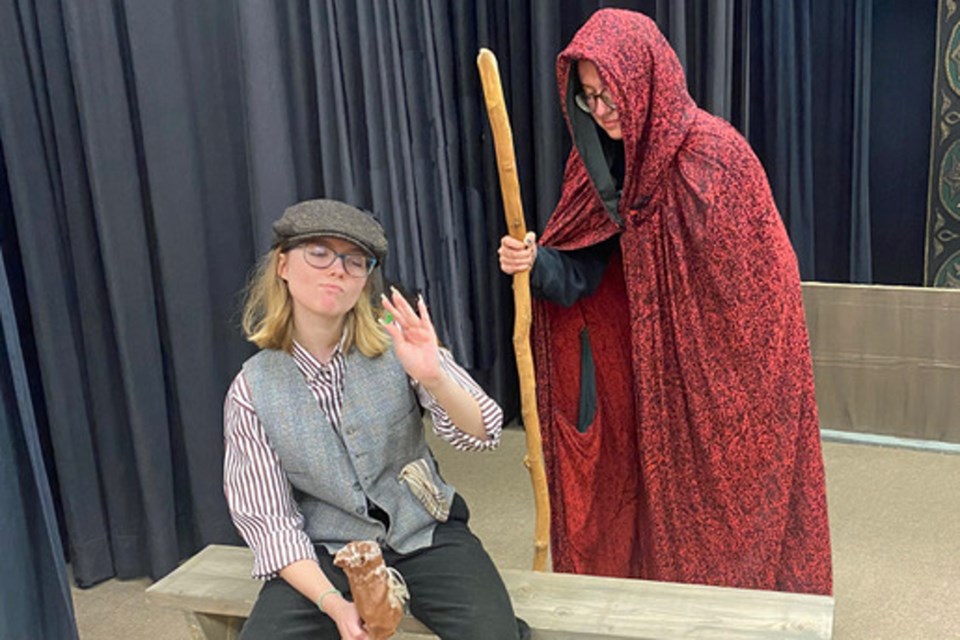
<point>781,127</point>
<point>749,62</point>
<point>183,88</point>
<point>133,252</point>
<point>705,37</point>
<point>861,258</point>
<point>41,191</point>
<point>833,100</point>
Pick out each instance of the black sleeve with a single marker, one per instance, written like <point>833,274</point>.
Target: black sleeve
<point>563,277</point>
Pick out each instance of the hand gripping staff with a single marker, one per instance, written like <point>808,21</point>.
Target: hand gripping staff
<point>513,209</point>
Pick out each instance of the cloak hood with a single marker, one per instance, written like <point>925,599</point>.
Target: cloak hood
<point>646,81</point>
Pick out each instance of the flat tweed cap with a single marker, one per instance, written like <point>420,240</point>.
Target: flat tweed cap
<point>313,218</point>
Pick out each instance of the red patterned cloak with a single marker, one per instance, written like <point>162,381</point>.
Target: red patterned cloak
<point>703,462</point>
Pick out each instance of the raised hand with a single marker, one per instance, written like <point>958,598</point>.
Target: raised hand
<point>414,338</point>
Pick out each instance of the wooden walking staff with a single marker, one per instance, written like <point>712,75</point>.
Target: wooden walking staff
<point>513,208</point>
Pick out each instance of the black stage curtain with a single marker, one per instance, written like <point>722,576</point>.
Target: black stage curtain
<point>835,98</point>
<point>149,145</point>
<point>121,128</point>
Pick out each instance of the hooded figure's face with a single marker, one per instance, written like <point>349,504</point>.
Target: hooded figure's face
<point>597,97</point>
<point>620,59</point>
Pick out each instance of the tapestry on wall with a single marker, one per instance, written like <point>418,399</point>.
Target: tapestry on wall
<point>942,253</point>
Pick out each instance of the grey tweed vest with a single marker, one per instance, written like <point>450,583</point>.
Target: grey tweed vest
<point>333,474</point>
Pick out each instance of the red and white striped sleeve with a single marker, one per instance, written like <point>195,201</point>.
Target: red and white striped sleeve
<point>490,411</point>
<point>258,493</point>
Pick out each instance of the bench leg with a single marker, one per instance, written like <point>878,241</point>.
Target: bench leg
<point>205,626</point>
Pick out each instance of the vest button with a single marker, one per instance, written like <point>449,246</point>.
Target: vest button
<point>359,511</point>
<point>356,486</point>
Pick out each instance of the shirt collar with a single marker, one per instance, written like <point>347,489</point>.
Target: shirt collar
<point>309,365</point>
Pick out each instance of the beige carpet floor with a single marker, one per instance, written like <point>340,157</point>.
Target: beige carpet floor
<point>894,518</point>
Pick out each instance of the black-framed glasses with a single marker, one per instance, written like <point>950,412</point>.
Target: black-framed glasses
<point>320,256</point>
<point>588,101</point>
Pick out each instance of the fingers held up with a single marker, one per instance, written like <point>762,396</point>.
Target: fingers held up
<point>400,317</point>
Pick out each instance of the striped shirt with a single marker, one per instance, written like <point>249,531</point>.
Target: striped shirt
<point>258,492</point>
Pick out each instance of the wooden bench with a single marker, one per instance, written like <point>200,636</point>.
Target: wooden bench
<point>216,592</point>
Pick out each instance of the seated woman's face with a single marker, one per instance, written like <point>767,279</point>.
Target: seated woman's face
<point>325,277</point>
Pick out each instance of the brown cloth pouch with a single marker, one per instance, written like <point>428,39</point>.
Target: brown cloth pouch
<point>378,591</point>
<point>419,478</point>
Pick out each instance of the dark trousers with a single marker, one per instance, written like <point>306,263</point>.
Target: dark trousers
<point>455,590</point>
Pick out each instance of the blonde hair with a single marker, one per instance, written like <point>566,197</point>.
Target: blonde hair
<point>267,319</point>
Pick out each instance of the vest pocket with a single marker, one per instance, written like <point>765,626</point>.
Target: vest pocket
<point>418,477</point>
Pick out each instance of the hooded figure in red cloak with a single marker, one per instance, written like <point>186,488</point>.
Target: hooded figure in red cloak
<point>674,379</point>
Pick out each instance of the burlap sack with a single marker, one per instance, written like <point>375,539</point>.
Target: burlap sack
<point>378,592</point>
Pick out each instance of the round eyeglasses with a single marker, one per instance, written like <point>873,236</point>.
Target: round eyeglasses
<point>588,101</point>
<point>320,256</point>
